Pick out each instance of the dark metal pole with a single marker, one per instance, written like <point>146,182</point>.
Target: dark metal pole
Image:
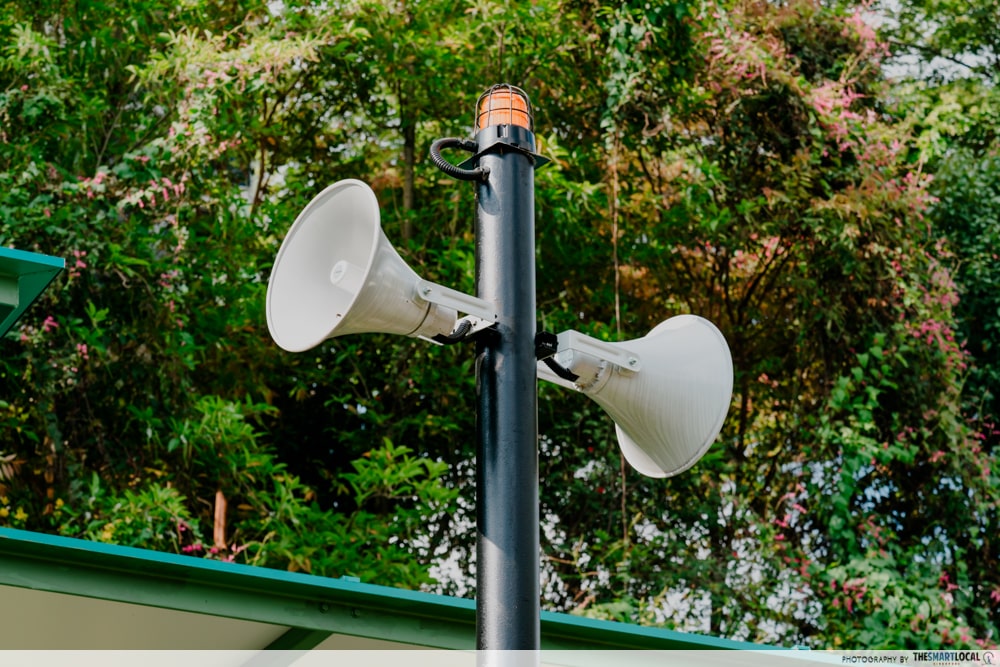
<point>507,549</point>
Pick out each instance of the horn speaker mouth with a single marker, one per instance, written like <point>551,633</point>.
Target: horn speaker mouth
<point>336,274</point>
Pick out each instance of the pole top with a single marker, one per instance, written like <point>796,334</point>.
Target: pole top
<point>504,104</point>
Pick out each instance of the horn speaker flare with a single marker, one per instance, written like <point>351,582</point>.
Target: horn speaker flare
<point>337,274</point>
<point>667,392</point>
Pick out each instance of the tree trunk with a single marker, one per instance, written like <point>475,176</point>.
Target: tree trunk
<point>409,159</point>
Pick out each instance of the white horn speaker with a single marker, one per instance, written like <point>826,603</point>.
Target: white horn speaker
<point>668,392</point>
<point>336,274</point>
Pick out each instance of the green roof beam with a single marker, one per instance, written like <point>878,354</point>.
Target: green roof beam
<point>23,277</point>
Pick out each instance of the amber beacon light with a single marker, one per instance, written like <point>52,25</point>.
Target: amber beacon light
<point>504,104</point>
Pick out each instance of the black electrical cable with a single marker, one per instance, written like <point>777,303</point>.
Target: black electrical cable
<point>456,336</point>
<point>546,345</point>
<point>477,174</point>
<point>560,370</point>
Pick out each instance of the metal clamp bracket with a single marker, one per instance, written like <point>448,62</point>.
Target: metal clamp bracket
<point>463,303</point>
<point>504,138</point>
<point>611,352</point>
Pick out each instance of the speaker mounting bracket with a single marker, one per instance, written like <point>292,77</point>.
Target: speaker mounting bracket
<point>463,303</point>
<point>582,362</point>
<point>610,352</point>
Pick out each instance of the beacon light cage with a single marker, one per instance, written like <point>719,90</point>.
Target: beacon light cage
<point>504,104</point>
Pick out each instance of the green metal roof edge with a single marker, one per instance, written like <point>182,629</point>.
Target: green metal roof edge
<point>115,557</point>
<point>614,635</point>
<point>48,261</point>
<point>56,564</point>
<point>36,271</point>
<point>297,601</point>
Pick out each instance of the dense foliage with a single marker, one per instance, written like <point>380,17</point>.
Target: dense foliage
<point>748,162</point>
